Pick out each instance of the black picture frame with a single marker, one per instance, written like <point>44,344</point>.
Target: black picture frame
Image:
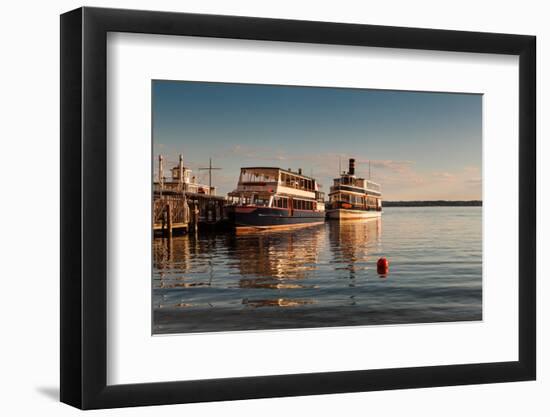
<point>84,207</point>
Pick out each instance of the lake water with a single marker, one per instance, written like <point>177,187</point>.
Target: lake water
<point>323,275</point>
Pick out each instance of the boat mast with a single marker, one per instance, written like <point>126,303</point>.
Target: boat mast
<point>161,173</point>
<point>210,168</point>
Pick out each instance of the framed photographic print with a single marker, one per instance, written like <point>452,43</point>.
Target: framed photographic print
<point>258,207</point>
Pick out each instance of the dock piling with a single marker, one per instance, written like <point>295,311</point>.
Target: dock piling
<point>169,215</point>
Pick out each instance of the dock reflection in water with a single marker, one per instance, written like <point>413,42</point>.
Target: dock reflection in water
<point>322,275</point>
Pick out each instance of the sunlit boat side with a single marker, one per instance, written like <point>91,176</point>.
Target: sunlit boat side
<point>275,198</point>
<point>351,197</point>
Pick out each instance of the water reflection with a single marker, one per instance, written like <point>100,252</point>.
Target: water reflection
<point>322,275</point>
<point>175,257</point>
<point>268,267</point>
<point>275,302</point>
<point>280,262</point>
<point>351,244</point>
<point>285,255</point>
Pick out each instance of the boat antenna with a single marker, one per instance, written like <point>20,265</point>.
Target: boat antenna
<point>339,165</point>
<point>369,169</point>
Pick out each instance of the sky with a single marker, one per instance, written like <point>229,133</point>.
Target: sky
<point>420,145</point>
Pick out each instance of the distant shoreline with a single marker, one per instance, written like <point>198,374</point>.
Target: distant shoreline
<point>433,203</point>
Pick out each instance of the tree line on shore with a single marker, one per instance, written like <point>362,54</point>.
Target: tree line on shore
<point>433,203</point>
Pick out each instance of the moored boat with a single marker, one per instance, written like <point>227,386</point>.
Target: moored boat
<point>275,198</point>
<point>351,197</point>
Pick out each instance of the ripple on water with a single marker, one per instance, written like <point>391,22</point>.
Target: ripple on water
<point>323,275</point>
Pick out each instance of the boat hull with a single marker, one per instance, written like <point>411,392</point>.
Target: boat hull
<point>260,218</point>
<point>348,214</point>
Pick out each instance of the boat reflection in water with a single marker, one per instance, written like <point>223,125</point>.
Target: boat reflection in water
<point>282,263</point>
<point>198,278</point>
<point>323,275</point>
<point>353,241</point>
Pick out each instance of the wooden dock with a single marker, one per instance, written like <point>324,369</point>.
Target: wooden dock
<point>181,211</point>
<point>181,203</point>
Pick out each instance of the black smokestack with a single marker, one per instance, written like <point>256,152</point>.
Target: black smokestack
<point>351,170</point>
<point>300,171</point>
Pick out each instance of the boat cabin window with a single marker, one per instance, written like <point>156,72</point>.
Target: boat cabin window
<point>302,205</point>
<point>286,180</point>
<point>356,199</point>
<point>280,202</point>
<point>244,200</point>
<point>256,175</point>
<point>260,200</point>
<point>233,199</point>
<point>343,197</point>
<point>293,181</point>
<point>373,186</point>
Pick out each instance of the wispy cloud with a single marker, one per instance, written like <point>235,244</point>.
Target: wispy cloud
<point>443,176</point>
<point>400,179</point>
<point>474,181</point>
<point>389,164</point>
<point>258,153</point>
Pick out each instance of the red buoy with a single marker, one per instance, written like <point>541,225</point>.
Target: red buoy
<point>382,266</point>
